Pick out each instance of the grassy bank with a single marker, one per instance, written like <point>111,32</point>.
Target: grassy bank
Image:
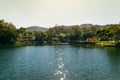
<point>106,43</point>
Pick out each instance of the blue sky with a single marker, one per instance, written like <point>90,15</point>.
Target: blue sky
<point>47,13</point>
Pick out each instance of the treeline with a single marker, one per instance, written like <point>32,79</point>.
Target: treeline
<point>59,34</point>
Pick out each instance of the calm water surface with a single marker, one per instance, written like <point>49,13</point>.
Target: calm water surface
<point>60,62</point>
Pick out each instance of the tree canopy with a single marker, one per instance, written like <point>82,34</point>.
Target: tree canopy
<point>8,33</point>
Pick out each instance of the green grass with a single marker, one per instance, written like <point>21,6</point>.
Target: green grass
<point>106,43</point>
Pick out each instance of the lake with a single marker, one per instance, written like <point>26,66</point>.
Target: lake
<point>59,62</point>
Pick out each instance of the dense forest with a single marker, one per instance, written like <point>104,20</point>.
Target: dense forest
<point>60,34</point>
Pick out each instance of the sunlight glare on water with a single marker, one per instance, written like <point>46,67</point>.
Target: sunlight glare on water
<point>60,71</point>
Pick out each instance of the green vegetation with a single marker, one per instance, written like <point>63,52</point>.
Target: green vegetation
<point>107,35</point>
<point>106,43</point>
<point>8,33</point>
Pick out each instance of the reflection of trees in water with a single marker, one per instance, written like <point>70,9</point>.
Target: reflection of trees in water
<point>113,53</point>
<point>114,57</point>
<point>92,46</point>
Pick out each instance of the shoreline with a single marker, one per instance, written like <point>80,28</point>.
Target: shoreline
<point>80,43</point>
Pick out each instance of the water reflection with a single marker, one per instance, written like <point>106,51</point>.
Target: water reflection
<point>63,62</point>
<point>114,57</point>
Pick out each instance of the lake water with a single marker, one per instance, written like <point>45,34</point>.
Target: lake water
<point>60,62</point>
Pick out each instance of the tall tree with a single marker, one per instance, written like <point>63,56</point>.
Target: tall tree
<point>8,33</point>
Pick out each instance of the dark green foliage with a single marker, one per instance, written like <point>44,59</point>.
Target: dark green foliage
<point>85,36</point>
<point>75,34</point>
<point>72,34</point>
<point>40,36</point>
<point>8,33</point>
<point>22,30</point>
<point>109,32</point>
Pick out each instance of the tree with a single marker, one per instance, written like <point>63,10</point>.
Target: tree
<point>75,34</point>
<point>40,36</point>
<point>8,33</point>
<point>103,34</point>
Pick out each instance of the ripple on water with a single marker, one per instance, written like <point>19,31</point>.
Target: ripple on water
<point>63,62</point>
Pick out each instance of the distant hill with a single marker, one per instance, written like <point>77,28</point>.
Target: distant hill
<point>83,25</point>
<point>36,28</point>
<point>91,25</point>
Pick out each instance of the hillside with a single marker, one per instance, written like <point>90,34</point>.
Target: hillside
<point>36,28</point>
